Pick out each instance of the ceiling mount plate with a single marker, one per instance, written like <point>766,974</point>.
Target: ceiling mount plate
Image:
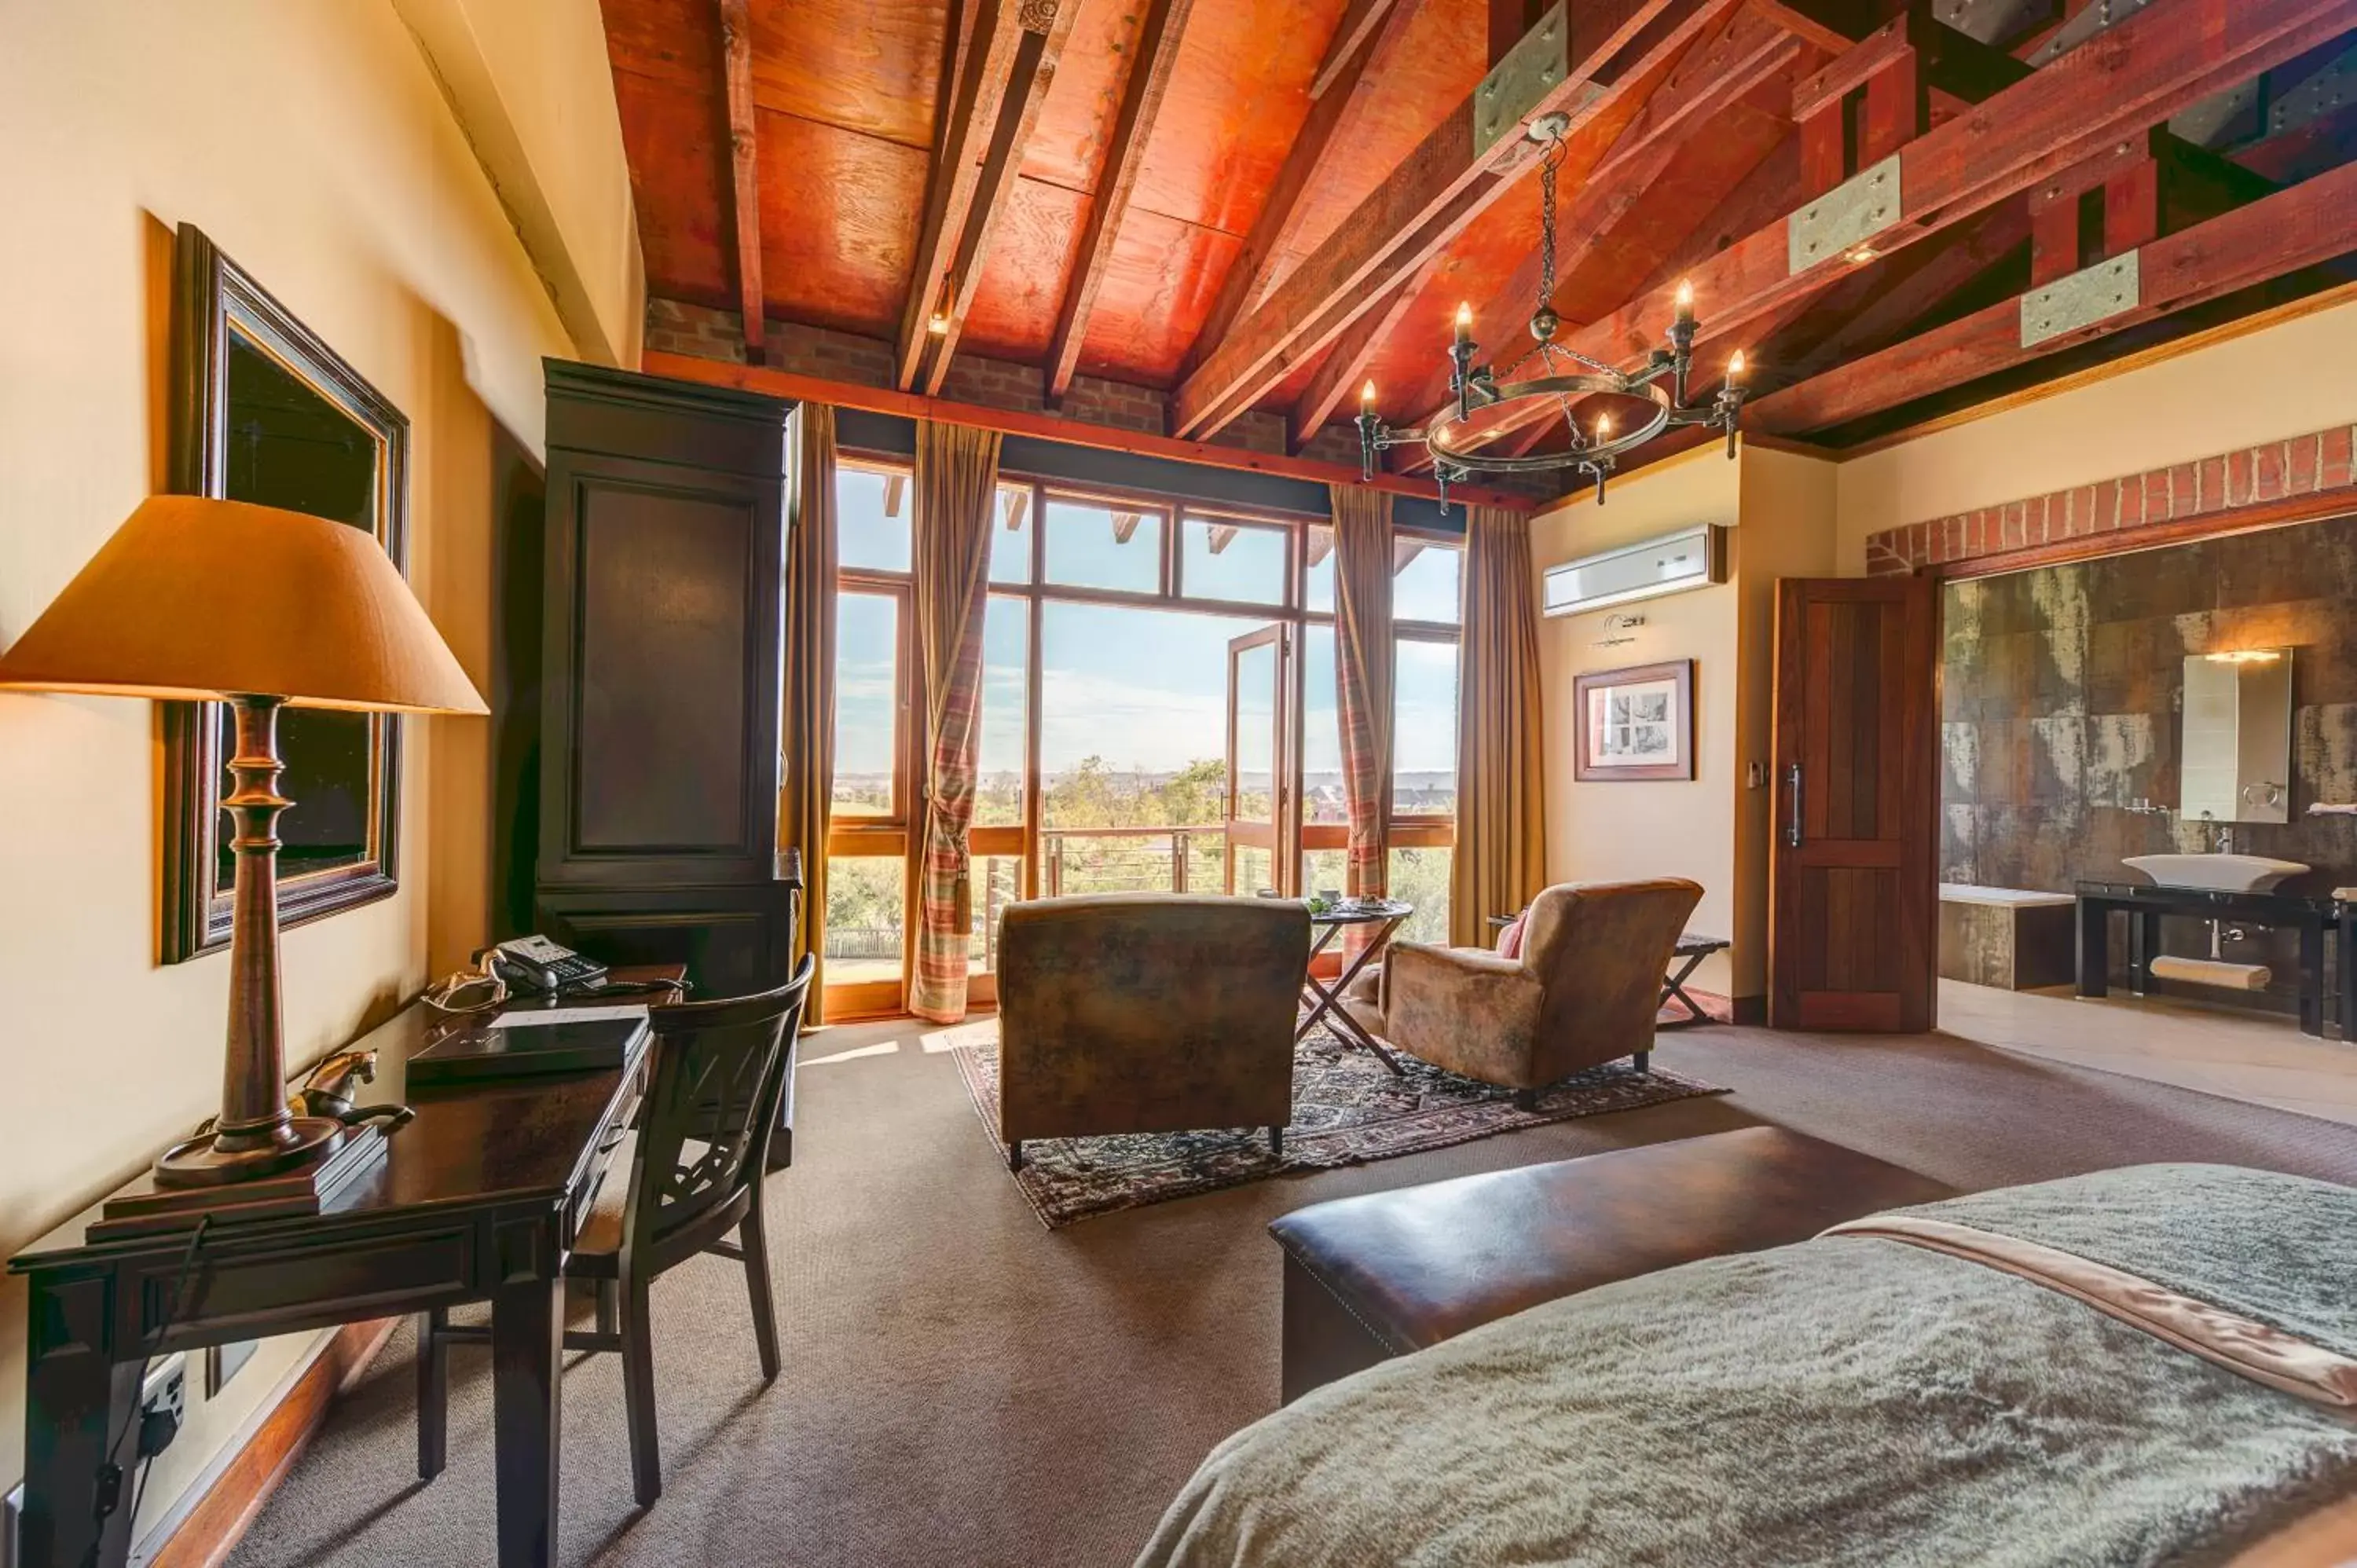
<point>1538,65</point>
<point>1841,220</point>
<point>2088,295</point>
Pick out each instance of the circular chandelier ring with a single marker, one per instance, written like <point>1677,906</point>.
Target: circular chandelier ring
<point>1435,435</point>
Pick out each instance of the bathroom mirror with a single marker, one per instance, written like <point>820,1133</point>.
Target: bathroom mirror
<point>2236,755</point>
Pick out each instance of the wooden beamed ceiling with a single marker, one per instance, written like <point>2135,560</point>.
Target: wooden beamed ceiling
<point>1258,205</point>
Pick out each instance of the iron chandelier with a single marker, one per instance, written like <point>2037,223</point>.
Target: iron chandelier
<point>1565,373</point>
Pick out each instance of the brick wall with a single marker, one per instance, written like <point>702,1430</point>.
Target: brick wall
<point>2277,470</point>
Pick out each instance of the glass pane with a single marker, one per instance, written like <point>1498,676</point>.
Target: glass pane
<point>1424,580</point>
<point>1325,871</point>
<point>865,905</point>
<point>1423,730</point>
<point>866,703</point>
<point>1220,560</point>
<point>1420,876</point>
<point>997,881</point>
<point>1322,795</point>
<point>1255,871</point>
<point>1318,577</point>
<point>1093,547</point>
<point>1133,747</point>
<point>1005,666</point>
<point>871,520</point>
<point>1256,719</point>
<point>1010,537</point>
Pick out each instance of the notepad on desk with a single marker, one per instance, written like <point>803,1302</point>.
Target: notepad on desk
<point>532,1041</point>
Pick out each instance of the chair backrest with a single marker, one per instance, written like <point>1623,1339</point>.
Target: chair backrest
<point>711,1107</point>
<point>1600,949</point>
<point>1147,1012</point>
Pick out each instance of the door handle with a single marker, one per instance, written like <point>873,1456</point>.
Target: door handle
<point>1793,828</point>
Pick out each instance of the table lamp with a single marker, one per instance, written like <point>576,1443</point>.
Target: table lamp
<point>196,599</point>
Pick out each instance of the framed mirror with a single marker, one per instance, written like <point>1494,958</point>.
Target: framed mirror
<point>263,411</point>
<point>2236,755</point>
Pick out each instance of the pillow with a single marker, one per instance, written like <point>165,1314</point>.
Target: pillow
<point>1510,940</point>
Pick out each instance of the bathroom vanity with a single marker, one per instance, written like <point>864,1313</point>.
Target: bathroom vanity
<point>2315,918</point>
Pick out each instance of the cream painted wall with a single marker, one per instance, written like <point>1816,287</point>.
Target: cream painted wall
<point>1616,832</point>
<point>2294,377</point>
<point>312,143</point>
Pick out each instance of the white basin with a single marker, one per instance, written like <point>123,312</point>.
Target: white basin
<point>2216,873</point>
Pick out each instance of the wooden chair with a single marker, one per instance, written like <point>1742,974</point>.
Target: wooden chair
<point>687,1175</point>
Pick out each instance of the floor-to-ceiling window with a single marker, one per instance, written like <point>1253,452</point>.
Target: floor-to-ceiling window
<point>1158,714</point>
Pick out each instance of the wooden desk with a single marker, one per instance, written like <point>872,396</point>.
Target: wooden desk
<point>477,1200</point>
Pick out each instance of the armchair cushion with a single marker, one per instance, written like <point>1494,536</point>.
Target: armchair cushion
<point>1485,1006</point>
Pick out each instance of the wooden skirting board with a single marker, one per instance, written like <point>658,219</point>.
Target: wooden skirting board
<point>210,1529</point>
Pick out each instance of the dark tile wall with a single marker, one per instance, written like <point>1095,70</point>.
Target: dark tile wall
<point>2061,697</point>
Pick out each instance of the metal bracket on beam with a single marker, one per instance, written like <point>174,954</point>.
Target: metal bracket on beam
<point>1517,84</point>
<point>2091,294</point>
<point>1844,218</point>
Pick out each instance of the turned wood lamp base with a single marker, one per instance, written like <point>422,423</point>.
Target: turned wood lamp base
<point>212,1159</point>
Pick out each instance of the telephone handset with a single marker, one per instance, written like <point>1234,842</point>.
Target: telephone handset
<point>536,963</point>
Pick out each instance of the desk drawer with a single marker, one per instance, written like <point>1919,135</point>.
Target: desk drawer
<point>337,1283</point>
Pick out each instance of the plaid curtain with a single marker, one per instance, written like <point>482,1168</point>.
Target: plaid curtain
<point>1363,677</point>
<point>957,479</point>
<point>1501,860</point>
<point>809,785</point>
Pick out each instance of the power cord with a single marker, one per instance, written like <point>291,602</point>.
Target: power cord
<point>157,1429</point>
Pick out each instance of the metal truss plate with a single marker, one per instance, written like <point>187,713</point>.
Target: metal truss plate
<point>1517,84</point>
<point>1845,217</point>
<point>2088,295</point>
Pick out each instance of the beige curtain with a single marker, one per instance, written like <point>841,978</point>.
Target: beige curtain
<point>1500,859</point>
<point>1362,676</point>
<point>809,730</point>
<point>957,481</point>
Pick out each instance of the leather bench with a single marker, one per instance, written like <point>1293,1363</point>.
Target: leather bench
<point>1380,1275</point>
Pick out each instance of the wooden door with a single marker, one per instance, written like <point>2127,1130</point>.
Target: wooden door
<point>1853,882</point>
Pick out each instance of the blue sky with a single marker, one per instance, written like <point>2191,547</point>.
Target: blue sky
<point>1142,688</point>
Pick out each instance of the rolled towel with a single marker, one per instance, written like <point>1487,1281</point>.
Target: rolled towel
<point>2213,972</point>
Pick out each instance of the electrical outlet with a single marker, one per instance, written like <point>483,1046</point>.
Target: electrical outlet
<point>165,1388</point>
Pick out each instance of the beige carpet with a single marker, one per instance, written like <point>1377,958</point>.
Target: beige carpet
<point>964,1390</point>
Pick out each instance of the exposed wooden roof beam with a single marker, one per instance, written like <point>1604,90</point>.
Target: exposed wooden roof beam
<point>1222,534</point>
<point>1320,545</point>
<point>2143,70</point>
<point>895,486</point>
<point>1916,292</point>
<point>1368,28</point>
<point>1345,367</point>
<point>1125,524</point>
<point>737,72</point>
<point>1048,427</point>
<point>1405,548</point>
<point>2300,227</point>
<point>1141,101</point>
<point>1442,187</point>
<point>1018,502</point>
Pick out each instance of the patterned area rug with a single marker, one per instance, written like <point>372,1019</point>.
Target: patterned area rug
<point>1346,1110</point>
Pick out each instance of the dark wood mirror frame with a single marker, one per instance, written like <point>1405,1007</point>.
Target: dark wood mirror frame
<point>215,303</point>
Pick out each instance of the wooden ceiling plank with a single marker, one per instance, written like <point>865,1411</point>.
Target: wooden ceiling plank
<point>2145,69</point>
<point>1044,25</point>
<point>1360,20</point>
<point>736,70</point>
<point>800,388</point>
<point>1889,313</point>
<point>1439,189</point>
<point>969,118</point>
<point>1346,363</point>
<point>1281,212</point>
<point>1141,104</point>
<point>2303,226</point>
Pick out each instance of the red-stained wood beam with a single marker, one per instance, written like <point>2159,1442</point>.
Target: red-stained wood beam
<point>1124,525</point>
<point>2135,75</point>
<point>1425,203</point>
<point>1141,103</point>
<point>1048,427</point>
<point>737,72</point>
<point>2303,226</point>
<point>1360,20</point>
<point>1043,25</point>
<point>1339,82</point>
<point>1908,298</point>
<point>1334,381</point>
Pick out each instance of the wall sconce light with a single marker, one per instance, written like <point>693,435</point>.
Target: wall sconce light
<point>2245,655</point>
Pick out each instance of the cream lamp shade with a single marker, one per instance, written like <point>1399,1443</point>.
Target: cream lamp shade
<point>199,599</point>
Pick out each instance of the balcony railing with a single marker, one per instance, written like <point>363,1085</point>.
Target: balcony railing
<point>1132,860</point>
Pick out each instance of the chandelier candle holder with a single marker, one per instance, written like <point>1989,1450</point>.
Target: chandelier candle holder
<point>1564,374</point>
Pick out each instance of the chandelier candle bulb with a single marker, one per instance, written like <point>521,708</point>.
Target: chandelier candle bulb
<point>1465,322</point>
<point>1367,398</point>
<point>1686,304</point>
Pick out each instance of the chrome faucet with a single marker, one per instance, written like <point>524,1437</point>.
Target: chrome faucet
<point>2225,840</point>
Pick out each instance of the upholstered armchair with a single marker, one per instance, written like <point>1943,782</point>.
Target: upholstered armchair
<point>1583,991</point>
<point>1147,1013</point>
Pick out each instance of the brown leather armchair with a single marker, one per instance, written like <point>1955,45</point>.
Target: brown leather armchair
<point>1583,992</point>
<point>1147,1013</point>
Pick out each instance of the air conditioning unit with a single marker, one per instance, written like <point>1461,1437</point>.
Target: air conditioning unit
<point>1691,558</point>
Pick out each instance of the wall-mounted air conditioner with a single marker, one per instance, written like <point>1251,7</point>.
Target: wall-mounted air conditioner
<point>1691,558</point>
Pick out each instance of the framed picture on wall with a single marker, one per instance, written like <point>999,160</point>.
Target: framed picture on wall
<point>1635,724</point>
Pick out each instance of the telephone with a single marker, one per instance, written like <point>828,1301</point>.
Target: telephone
<point>536,963</point>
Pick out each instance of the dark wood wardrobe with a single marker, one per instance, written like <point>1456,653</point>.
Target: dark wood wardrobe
<point>662,649</point>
